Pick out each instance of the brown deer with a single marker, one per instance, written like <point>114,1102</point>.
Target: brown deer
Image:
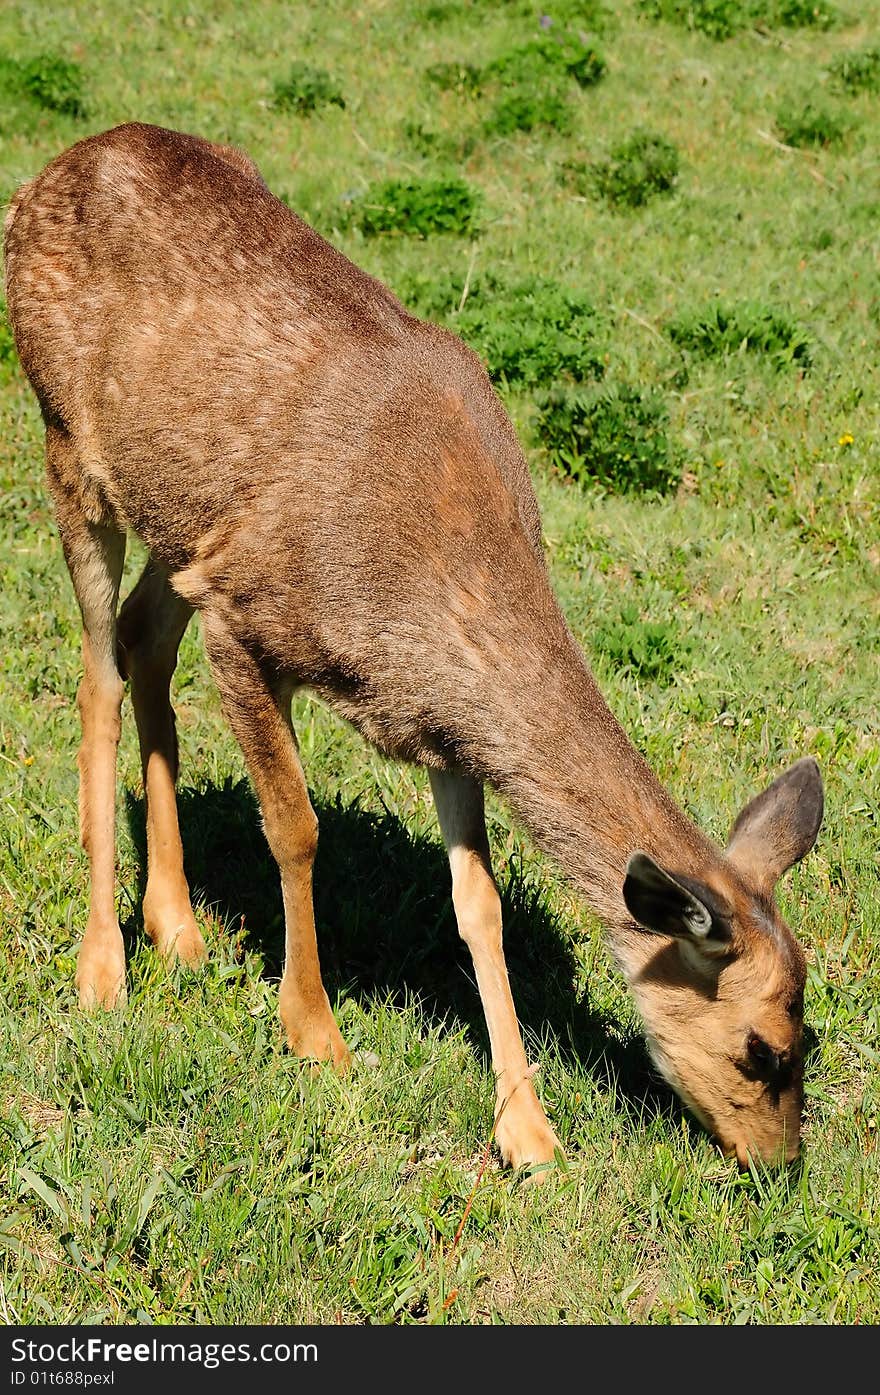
<point>336,488</point>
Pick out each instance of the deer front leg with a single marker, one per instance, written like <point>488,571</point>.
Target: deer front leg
<point>521,1128</point>
<point>259,716</point>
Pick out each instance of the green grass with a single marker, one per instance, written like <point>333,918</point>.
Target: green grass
<point>171,1163</point>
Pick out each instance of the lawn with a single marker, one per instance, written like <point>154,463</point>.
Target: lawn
<point>658,223</point>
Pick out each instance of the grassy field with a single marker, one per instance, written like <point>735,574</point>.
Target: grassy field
<point>170,1163</point>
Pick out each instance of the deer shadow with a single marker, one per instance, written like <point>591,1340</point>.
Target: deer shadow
<point>386,929</point>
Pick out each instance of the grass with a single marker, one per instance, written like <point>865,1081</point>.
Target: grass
<point>171,1163</point>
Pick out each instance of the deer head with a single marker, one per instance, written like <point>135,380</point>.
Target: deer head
<point>722,995</point>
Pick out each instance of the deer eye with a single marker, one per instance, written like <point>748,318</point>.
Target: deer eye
<point>760,1053</point>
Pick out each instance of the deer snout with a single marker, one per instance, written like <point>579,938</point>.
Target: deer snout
<point>778,1154</point>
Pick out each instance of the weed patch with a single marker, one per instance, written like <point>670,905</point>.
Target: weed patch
<point>527,109</point>
<point>465,79</point>
<point>305,89</point>
<point>636,171</point>
<point>720,330</point>
<point>858,71</point>
<point>591,15</point>
<point>417,207</point>
<point>810,126</point>
<point>652,649</point>
<point>528,333</point>
<point>52,81</point>
<point>801,14</point>
<point>721,19</point>
<point>531,84</point>
<point>718,19</point>
<point>532,333</point>
<point>55,83</point>
<point>557,55</point>
<point>616,437</point>
<point>437,145</point>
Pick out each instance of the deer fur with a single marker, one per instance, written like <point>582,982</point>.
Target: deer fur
<point>336,488</point>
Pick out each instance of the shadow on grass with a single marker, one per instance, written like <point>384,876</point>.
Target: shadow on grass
<point>386,927</point>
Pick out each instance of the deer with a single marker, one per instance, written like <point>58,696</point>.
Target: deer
<point>337,489</point>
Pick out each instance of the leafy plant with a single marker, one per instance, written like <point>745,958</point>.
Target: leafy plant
<point>437,145</point>
<point>822,239</point>
<point>748,327</point>
<point>462,78</point>
<point>637,170</point>
<point>532,333</point>
<point>532,83</point>
<point>54,82</point>
<point>418,207</point>
<point>586,14</point>
<point>803,14</point>
<point>858,71</point>
<point>616,437</point>
<point>586,65</point>
<point>720,19</point>
<point>810,126</point>
<point>535,82</point>
<point>560,54</point>
<point>528,333</point>
<point>527,108</point>
<point>305,89</point>
<point>652,649</point>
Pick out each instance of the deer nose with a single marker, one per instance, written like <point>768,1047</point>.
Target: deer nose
<point>742,1156</point>
<point>776,1156</point>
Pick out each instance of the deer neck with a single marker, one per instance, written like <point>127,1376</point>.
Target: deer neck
<point>588,796</point>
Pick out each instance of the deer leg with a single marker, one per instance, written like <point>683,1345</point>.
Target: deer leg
<point>259,714</point>
<point>151,625</point>
<point>521,1128</point>
<point>94,553</point>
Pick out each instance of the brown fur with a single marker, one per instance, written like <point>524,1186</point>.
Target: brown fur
<point>337,489</point>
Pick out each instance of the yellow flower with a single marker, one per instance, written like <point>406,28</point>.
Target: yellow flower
<point>845,440</point>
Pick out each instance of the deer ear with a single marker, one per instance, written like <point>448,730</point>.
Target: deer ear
<point>778,827</point>
<point>668,906</point>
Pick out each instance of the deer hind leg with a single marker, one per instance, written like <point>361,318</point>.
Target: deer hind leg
<point>521,1130</point>
<point>95,552</point>
<point>151,625</point>
<point>259,713</point>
